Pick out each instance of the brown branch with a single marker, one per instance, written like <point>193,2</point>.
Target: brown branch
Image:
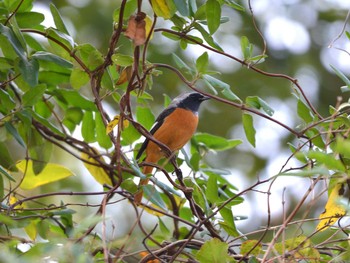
<point>69,51</point>
<point>244,63</point>
<point>14,12</point>
<point>243,107</point>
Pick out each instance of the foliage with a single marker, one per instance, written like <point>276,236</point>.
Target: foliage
<point>56,94</point>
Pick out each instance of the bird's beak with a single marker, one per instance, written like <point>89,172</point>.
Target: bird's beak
<point>205,98</point>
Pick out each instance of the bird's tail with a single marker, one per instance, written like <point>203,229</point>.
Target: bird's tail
<point>138,196</point>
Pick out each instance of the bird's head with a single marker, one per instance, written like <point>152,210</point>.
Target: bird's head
<point>190,101</point>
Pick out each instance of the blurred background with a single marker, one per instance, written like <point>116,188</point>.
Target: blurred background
<point>302,40</point>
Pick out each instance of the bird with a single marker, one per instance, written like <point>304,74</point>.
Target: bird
<point>174,127</point>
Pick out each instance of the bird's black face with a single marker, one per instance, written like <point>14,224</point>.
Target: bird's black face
<point>192,101</point>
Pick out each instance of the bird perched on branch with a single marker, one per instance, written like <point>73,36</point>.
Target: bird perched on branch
<point>174,127</point>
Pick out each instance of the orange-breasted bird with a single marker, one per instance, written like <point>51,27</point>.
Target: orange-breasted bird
<point>174,127</point>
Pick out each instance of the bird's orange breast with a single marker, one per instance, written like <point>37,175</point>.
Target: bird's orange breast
<point>176,130</point>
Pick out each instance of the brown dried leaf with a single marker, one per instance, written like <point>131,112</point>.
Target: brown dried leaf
<point>124,75</point>
<point>136,29</point>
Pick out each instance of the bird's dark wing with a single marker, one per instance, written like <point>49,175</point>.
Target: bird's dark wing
<point>158,123</point>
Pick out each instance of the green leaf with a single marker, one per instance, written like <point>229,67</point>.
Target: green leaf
<point>258,103</point>
<point>130,135</point>
<point>29,19</point>
<point>90,56</point>
<point>107,82</point>
<point>329,160</point>
<point>234,5</point>
<point>227,215</point>
<point>13,5</point>
<point>302,244</point>
<point>167,100</point>
<point>316,137</point>
<point>212,189</point>
<point>192,40</point>
<point>163,228</point>
<point>347,34</point>
<point>6,174</point>
<point>202,63</point>
<point>341,76</point>
<point>183,7</point>
<point>246,47</point>
<point>153,196</point>
<point>6,101</point>
<point>73,117</point>
<point>30,71</point>
<point>51,173</point>
<point>12,38</point>
<point>342,146</point>
<point>130,9</point>
<point>46,56</point>
<point>52,78</point>
<point>229,222</point>
<point>178,21</point>
<point>304,112</point>
<point>13,131</point>
<point>145,117</point>
<point>18,34</point>
<point>2,193</point>
<point>78,78</point>
<point>5,63</point>
<point>58,19</point>
<point>6,160</point>
<point>249,129</point>
<point>194,161</point>
<point>44,109</point>
<point>225,88</point>
<point>207,37</point>
<point>88,130</point>
<point>74,98</point>
<point>258,59</point>
<point>102,138</point>
<point>32,96</point>
<point>213,11</point>
<point>223,19</point>
<point>33,43</point>
<point>122,60</point>
<point>193,7</point>
<point>213,251</point>
<point>47,123</point>
<point>198,193</point>
<point>39,151</point>
<point>60,37</point>
<point>181,64</point>
<point>36,148</point>
<point>215,142</point>
<point>171,36</point>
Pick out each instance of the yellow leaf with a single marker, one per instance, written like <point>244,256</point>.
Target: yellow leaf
<point>95,169</point>
<point>148,26</point>
<point>31,230</point>
<point>151,211</point>
<point>144,254</point>
<point>333,210</point>
<point>125,75</point>
<point>115,122</point>
<point>51,173</point>
<point>164,8</point>
<point>248,245</point>
<point>13,200</point>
